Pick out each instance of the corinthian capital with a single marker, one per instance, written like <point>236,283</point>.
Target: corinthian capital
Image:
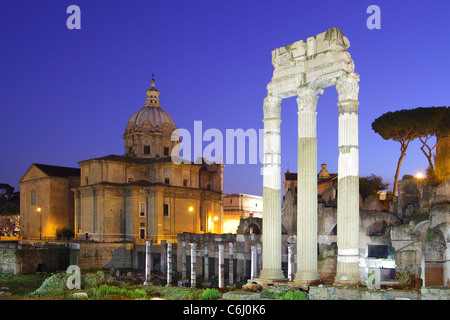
<point>307,97</point>
<point>272,107</point>
<point>347,86</point>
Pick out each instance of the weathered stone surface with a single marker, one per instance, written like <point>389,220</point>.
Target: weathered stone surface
<point>241,295</point>
<point>329,196</point>
<point>373,203</point>
<point>439,214</point>
<point>80,295</point>
<point>408,195</point>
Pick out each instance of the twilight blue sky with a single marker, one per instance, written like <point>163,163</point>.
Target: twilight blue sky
<point>67,95</point>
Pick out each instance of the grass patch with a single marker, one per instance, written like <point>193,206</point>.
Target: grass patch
<point>288,295</point>
<point>20,285</point>
<point>106,291</point>
<point>174,293</point>
<point>210,294</point>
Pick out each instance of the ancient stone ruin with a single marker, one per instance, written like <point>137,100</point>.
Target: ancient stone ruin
<point>303,69</point>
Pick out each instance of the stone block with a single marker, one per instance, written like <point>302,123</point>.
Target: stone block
<point>322,293</point>
<point>373,203</point>
<point>80,295</point>
<point>241,295</point>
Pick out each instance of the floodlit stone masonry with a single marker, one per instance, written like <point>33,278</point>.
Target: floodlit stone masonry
<point>304,69</point>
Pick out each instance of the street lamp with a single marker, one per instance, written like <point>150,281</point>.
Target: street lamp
<point>40,225</point>
<point>191,209</point>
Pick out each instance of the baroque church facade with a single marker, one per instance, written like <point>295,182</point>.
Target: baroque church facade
<point>143,194</point>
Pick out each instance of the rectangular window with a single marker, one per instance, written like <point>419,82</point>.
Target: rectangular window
<point>166,151</point>
<point>185,182</point>
<point>142,209</point>
<point>378,251</point>
<point>146,149</point>
<point>167,181</point>
<point>142,233</point>
<point>166,210</point>
<point>33,197</point>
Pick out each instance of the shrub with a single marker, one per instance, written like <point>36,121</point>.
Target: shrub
<point>210,294</point>
<point>53,286</point>
<point>404,278</point>
<point>288,295</point>
<point>65,233</point>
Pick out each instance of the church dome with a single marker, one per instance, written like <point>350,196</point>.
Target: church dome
<point>151,114</point>
<point>149,130</point>
<point>154,115</point>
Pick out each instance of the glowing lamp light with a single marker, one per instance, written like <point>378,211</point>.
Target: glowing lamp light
<point>216,218</point>
<point>419,175</point>
<point>38,209</point>
<point>191,209</point>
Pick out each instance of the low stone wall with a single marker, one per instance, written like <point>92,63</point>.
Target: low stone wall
<point>98,255</point>
<point>32,257</point>
<point>362,293</point>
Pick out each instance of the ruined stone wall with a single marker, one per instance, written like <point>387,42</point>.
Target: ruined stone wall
<point>97,255</point>
<point>32,257</point>
<point>7,257</point>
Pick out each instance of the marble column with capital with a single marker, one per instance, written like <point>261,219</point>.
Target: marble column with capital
<point>271,233</point>
<point>307,186</point>
<point>348,182</point>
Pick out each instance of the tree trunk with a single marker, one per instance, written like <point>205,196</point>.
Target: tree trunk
<point>428,154</point>
<point>397,172</point>
<point>403,148</point>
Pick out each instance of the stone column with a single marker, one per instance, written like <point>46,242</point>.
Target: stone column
<point>253,263</point>
<point>271,233</point>
<point>307,186</point>
<point>230,264</point>
<point>290,262</point>
<point>148,262</point>
<point>348,182</point>
<point>169,264</point>
<point>206,263</point>
<point>183,260</point>
<point>221,266</point>
<point>193,265</point>
<point>258,259</point>
<point>163,257</point>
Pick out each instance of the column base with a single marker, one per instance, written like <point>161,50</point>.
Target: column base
<point>264,282</point>
<point>271,275</point>
<point>347,274</point>
<point>304,279</point>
